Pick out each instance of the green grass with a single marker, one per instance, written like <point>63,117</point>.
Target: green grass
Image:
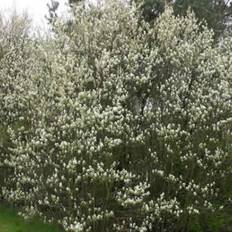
<point>11,222</point>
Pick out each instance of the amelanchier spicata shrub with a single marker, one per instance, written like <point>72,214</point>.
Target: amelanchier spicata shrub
<point>121,125</point>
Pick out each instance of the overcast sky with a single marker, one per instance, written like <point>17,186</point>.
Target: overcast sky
<point>36,9</point>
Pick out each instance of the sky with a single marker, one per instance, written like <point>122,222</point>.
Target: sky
<point>36,9</point>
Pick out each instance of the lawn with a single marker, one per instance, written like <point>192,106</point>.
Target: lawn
<point>11,222</point>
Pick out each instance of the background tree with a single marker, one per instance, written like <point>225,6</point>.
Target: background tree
<point>215,13</point>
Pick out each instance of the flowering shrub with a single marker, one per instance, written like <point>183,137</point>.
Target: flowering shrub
<point>121,125</point>
<point>15,60</point>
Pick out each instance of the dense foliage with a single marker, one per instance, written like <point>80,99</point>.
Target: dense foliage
<point>116,124</point>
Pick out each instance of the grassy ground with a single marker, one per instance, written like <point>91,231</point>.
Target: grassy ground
<point>11,222</point>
